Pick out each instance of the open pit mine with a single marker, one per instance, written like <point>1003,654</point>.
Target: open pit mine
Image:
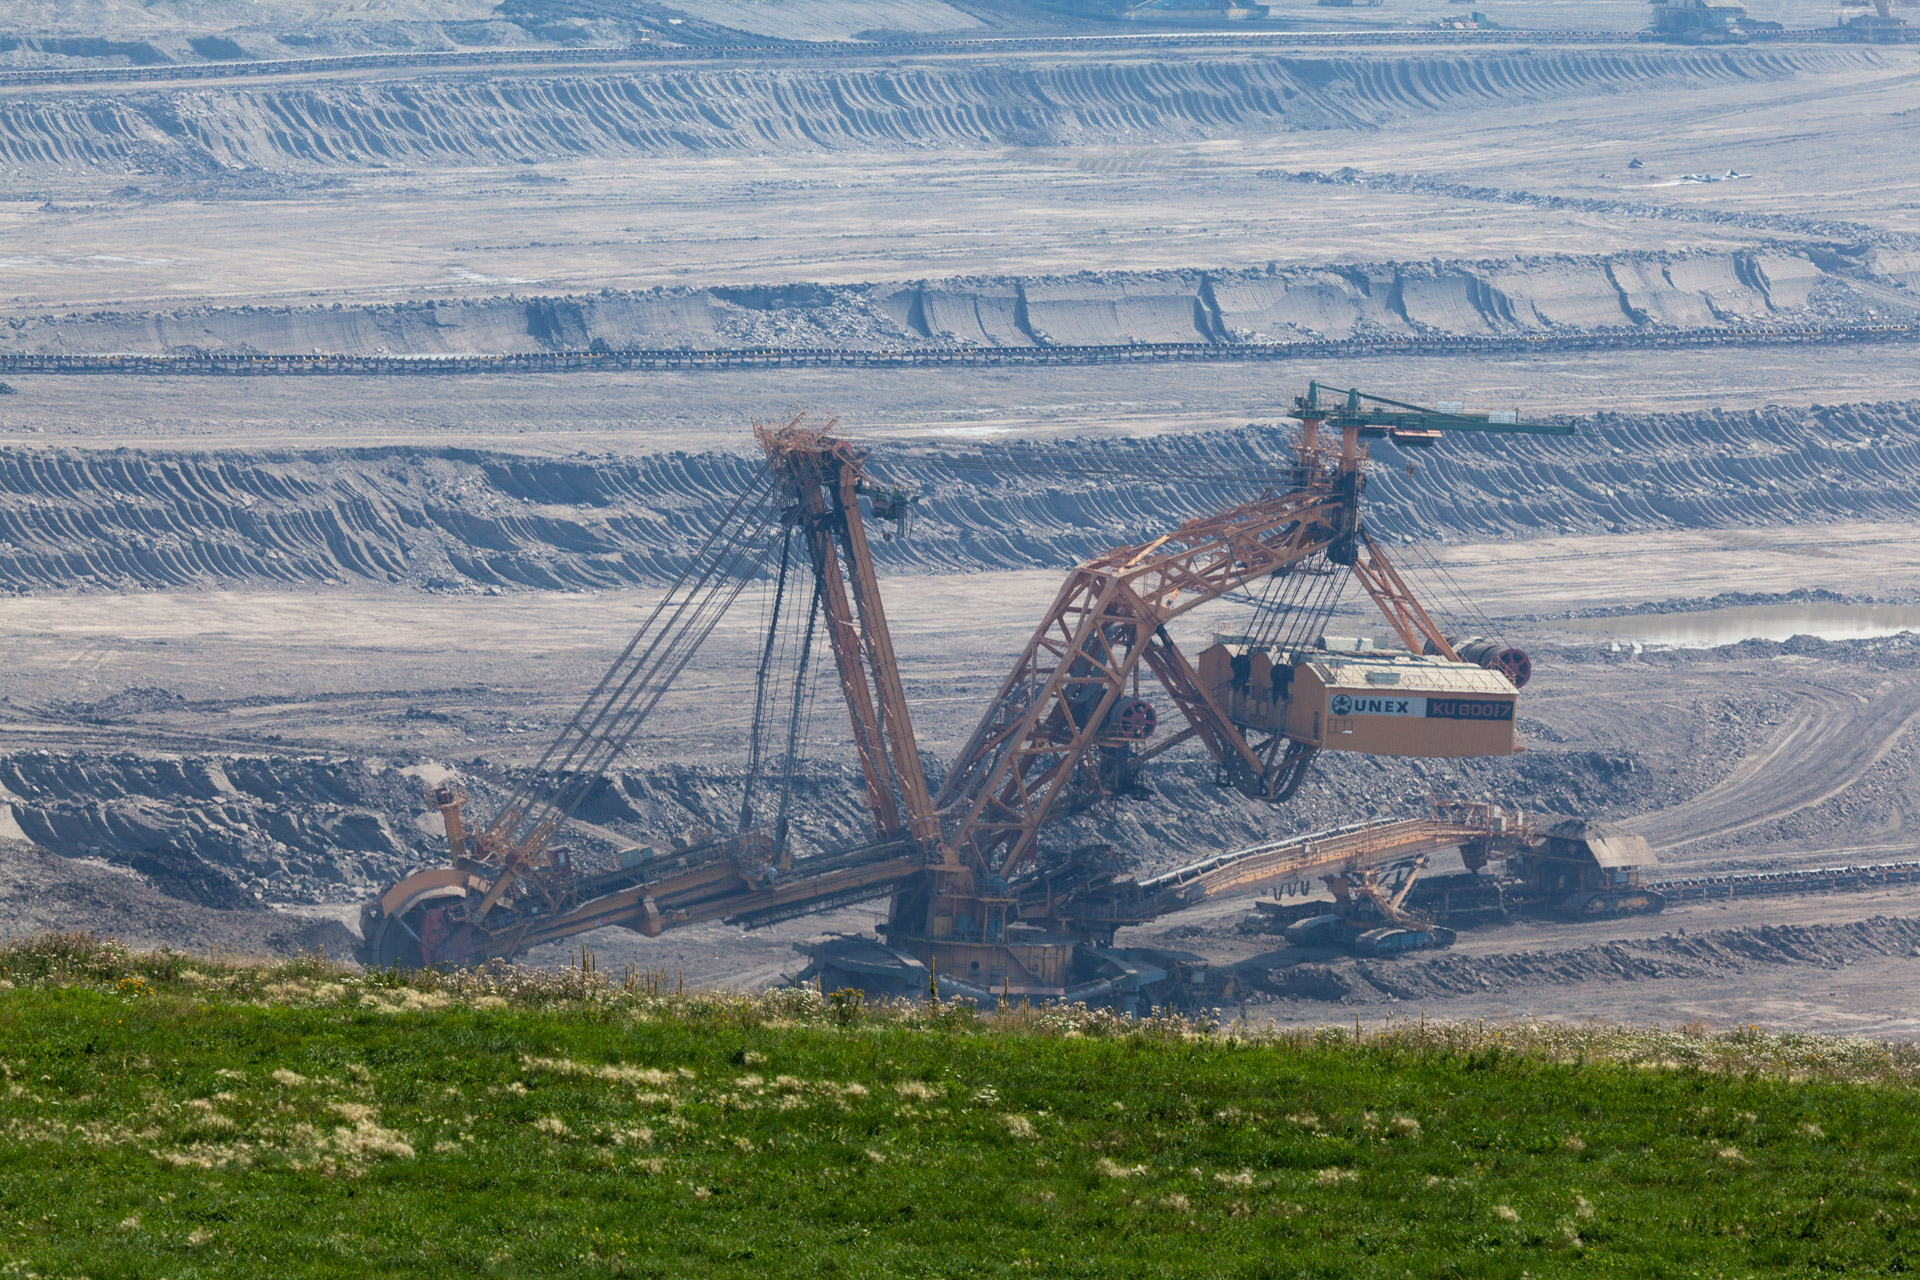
<point>1299,509</point>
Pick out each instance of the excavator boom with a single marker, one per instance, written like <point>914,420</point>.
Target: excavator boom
<point>1065,694</point>
<point>1067,727</point>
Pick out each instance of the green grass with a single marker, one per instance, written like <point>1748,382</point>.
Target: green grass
<point>170,1116</point>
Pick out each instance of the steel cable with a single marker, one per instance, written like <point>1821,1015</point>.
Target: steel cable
<point>632,705</point>
<point>665,642</point>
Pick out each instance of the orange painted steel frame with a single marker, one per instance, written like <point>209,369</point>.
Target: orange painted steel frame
<point>823,475</point>
<point>949,857</point>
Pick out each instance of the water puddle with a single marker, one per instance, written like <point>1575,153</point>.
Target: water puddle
<point>1711,627</point>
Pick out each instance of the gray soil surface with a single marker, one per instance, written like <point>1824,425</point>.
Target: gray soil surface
<point>466,521</point>
<point>249,619</point>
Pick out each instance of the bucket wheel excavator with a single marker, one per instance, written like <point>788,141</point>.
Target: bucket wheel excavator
<point>979,902</point>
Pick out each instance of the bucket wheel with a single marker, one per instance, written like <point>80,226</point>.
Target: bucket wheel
<point>1284,779</point>
<point>395,942</point>
<point>414,937</point>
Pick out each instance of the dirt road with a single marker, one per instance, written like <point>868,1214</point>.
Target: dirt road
<point>1832,737</point>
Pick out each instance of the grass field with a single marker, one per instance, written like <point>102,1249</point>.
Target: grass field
<point>172,1116</point>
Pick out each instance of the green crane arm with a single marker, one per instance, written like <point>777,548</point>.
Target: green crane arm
<point>1411,417</point>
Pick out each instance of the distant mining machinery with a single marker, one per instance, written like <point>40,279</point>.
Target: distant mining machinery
<point>1880,26</point>
<point>981,905</point>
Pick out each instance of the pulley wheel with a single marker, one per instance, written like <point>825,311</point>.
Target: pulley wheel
<point>1515,665</point>
<point>1135,718</point>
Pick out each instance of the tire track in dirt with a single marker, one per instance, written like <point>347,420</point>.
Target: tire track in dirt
<point>1832,738</point>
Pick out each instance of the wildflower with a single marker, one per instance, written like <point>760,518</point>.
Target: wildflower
<point>1108,1169</point>
<point>1305,1120</point>
<point>752,1059</point>
<point>1244,1178</point>
<point>746,1144</point>
<point>1177,1203</point>
<point>701,1193</point>
<point>1812,1130</point>
<point>1020,1126</point>
<point>1334,1177</point>
<point>1404,1127</point>
<point>916,1090</point>
<point>129,1225</point>
<point>1731,1155</point>
<point>789,1084</point>
<point>553,1125</point>
<point>878,1157</point>
<point>1506,1213</point>
<point>1574,1145</point>
<point>1582,1207</point>
<point>288,1079</point>
<point>855,1090</point>
<point>200,1237</point>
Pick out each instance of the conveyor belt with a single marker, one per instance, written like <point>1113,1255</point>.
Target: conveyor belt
<point>1749,884</point>
<point>241,364</point>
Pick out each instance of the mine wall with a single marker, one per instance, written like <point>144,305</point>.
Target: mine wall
<point>232,830</point>
<point>454,520</point>
<point>1547,296</point>
<point>209,129</point>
